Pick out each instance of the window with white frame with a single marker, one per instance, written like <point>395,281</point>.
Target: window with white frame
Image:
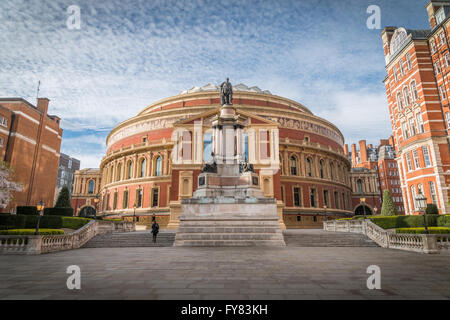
<point>3,121</point>
<point>404,131</point>
<point>412,127</point>
<point>440,15</point>
<point>442,38</point>
<point>426,156</point>
<point>399,101</point>
<point>447,60</point>
<point>413,196</point>
<point>414,93</point>
<point>447,117</point>
<point>420,127</point>
<point>394,70</point>
<point>406,96</point>
<point>433,46</point>
<point>437,68</point>
<point>1,142</point>
<point>416,159</point>
<point>408,161</point>
<point>408,61</point>
<point>402,71</point>
<point>432,192</point>
<point>442,92</point>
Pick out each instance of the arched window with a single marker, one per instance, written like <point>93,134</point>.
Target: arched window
<point>91,187</point>
<point>110,178</point>
<point>207,146</point>
<point>415,94</point>
<point>406,96</point>
<point>245,138</point>
<point>399,101</point>
<point>142,168</point>
<point>129,169</point>
<point>293,165</point>
<point>309,167</point>
<point>332,171</point>
<point>321,169</point>
<point>186,146</point>
<point>281,164</point>
<point>359,186</point>
<point>158,166</point>
<point>397,41</point>
<point>119,172</point>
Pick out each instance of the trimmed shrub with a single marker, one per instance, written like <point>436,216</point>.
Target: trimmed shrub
<point>74,222</point>
<point>388,208</point>
<point>432,209</point>
<point>431,230</point>
<point>50,222</point>
<point>27,210</point>
<point>66,212</point>
<point>10,221</point>
<point>63,200</point>
<point>31,232</point>
<point>393,222</point>
<point>443,221</point>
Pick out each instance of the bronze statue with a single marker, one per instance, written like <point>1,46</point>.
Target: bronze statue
<point>226,93</point>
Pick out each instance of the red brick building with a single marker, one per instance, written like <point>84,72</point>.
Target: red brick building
<point>30,141</point>
<point>85,189</point>
<point>153,159</point>
<point>382,162</point>
<point>418,66</point>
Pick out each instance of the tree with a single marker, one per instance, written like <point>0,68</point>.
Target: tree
<point>63,198</point>
<point>6,185</point>
<point>388,208</point>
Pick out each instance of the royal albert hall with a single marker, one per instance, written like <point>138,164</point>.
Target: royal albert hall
<point>153,159</point>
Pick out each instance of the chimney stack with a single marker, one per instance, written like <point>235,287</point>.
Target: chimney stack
<point>354,154</point>
<point>42,105</point>
<point>362,151</point>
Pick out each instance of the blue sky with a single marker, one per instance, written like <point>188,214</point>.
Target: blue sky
<point>129,54</point>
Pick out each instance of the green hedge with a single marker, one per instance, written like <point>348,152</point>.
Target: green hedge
<point>50,222</point>
<point>66,212</point>
<point>74,222</point>
<point>443,221</point>
<point>31,232</point>
<point>27,210</point>
<point>431,230</point>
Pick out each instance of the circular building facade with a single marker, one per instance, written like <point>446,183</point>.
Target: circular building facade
<point>153,159</point>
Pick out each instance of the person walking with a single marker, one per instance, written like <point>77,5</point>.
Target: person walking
<point>155,230</point>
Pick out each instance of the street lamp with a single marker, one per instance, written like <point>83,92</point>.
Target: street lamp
<point>363,201</point>
<point>375,209</point>
<point>421,201</point>
<point>96,200</point>
<point>40,207</point>
<point>325,209</point>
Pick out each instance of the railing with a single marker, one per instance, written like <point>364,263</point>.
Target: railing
<point>53,243</point>
<point>425,243</point>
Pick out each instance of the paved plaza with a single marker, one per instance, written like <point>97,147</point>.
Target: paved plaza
<point>227,273</point>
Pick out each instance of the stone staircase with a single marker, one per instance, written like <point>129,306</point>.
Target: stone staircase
<point>322,238</point>
<point>229,232</point>
<point>131,239</point>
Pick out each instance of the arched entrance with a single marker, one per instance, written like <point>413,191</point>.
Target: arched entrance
<point>359,210</point>
<point>87,211</point>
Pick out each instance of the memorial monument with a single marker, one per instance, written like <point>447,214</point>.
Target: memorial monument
<point>228,208</point>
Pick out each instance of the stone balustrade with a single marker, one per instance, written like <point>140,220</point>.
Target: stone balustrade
<point>424,243</point>
<point>11,244</point>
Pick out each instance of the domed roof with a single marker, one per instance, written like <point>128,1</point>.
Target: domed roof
<point>213,87</point>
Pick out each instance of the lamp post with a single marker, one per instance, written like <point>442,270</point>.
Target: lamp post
<point>363,201</point>
<point>375,210</point>
<point>96,200</point>
<point>134,215</point>
<point>421,201</point>
<point>325,209</point>
<point>40,208</point>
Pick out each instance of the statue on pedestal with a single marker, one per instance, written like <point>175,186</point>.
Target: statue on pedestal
<point>226,93</point>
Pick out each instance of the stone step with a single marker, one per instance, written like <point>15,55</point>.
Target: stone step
<point>320,238</point>
<point>229,243</point>
<point>131,239</point>
<point>227,229</point>
<point>229,236</point>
